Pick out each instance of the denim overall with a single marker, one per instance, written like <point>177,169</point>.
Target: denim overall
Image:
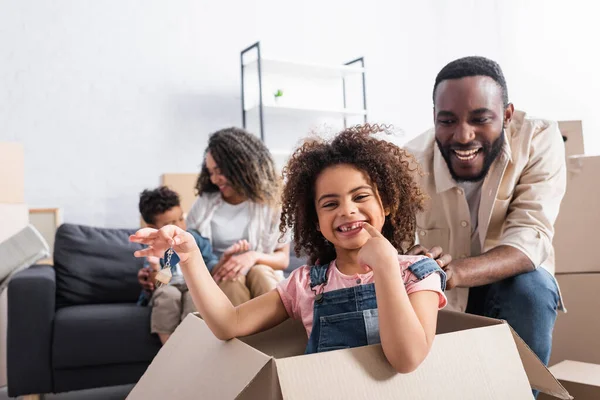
<point>349,317</point>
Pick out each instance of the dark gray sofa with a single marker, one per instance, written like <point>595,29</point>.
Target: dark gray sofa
<point>76,325</point>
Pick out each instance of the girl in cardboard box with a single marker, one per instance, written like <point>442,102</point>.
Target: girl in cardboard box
<point>351,204</point>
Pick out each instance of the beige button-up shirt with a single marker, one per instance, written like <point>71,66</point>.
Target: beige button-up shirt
<point>520,197</point>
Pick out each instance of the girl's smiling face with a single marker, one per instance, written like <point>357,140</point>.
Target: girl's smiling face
<point>344,198</point>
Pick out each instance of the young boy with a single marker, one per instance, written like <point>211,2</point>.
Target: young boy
<point>171,303</point>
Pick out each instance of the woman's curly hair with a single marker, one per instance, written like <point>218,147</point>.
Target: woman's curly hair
<point>390,169</point>
<point>246,163</point>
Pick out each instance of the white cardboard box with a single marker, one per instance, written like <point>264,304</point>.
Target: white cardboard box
<point>472,358</point>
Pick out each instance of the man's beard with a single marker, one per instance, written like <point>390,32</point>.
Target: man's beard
<point>490,153</point>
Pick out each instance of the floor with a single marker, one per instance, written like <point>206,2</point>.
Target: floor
<point>108,393</point>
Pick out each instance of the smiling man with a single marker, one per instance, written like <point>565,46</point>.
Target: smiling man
<point>496,180</point>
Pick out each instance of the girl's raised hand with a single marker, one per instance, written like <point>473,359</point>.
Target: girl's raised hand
<point>159,241</point>
<point>378,251</point>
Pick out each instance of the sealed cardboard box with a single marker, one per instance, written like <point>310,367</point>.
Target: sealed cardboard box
<point>13,218</point>
<point>472,358</point>
<point>572,132</point>
<point>12,173</point>
<point>577,332</point>
<point>184,185</point>
<point>582,380</point>
<point>577,224</point>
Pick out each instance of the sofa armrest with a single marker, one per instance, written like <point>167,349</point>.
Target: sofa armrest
<point>31,308</point>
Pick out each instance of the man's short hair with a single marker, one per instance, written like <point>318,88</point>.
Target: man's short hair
<point>473,66</point>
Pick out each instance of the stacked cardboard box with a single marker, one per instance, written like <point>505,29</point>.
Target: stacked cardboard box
<point>14,216</point>
<point>577,267</point>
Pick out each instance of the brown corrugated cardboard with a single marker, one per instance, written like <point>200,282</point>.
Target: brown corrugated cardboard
<point>576,332</point>
<point>12,173</point>
<point>578,220</point>
<point>13,218</point>
<point>573,132</point>
<point>582,380</point>
<point>184,185</point>
<point>472,358</point>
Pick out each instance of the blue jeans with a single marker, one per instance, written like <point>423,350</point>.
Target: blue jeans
<point>528,302</point>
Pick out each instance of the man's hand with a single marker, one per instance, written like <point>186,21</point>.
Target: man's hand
<point>436,253</point>
<point>451,278</point>
<point>444,261</point>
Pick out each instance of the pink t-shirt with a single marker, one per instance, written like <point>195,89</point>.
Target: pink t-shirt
<point>298,298</point>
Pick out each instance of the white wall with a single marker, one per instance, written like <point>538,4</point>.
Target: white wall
<point>108,95</point>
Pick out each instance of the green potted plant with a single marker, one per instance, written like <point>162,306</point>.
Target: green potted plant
<point>278,94</point>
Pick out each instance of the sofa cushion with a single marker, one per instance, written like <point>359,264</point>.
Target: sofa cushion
<point>95,265</point>
<point>102,334</point>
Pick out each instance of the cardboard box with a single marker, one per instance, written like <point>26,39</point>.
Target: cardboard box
<point>572,132</point>
<point>13,218</point>
<point>577,224</point>
<point>577,331</point>
<point>472,358</point>
<point>12,173</point>
<point>582,380</point>
<point>184,185</point>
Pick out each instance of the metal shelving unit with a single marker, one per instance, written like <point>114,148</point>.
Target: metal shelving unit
<point>262,66</point>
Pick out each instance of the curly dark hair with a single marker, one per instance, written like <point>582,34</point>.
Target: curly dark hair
<point>157,201</point>
<point>473,66</point>
<point>246,163</point>
<point>391,171</point>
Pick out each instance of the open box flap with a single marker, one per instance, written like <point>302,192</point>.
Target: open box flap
<point>461,365</point>
<point>194,363</point>
<point>539,377</point>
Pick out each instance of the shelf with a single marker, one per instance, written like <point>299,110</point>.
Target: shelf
<point>340,111</point>
<point>282,66</point>
<point>322,91</point>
